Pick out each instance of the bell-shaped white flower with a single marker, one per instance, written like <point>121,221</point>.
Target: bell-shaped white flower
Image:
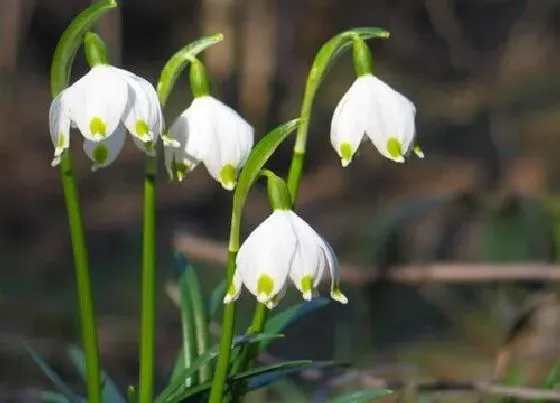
<point>212,133</point>
<point>281,247</point>
<point>373,108</point>
<point>97,104</point>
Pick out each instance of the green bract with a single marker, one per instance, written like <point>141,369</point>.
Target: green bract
<point>70,42</point>
<point>178,62</point>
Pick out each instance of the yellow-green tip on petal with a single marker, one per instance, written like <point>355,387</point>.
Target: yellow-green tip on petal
<point>338,296</point>
<point>346,154</point>
<point>97,127</point>
<point>228,176</point>
<point>265,286</point>
<point>142,130</point>
<point>307,287</point>
<point>180,169</point>
<point>273,302</point>
<point>418,151</point>
<point>100,154</point>
<point>169,141</point>
<point>231,294</point>
<point>394,149</point>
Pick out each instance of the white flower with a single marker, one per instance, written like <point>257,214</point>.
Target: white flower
<point>281,247</point>
<point>373,108</point>
<point>102,104</point>
<point>212,133</point>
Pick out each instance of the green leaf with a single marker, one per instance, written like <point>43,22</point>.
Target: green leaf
<point>216,298</point>
<point>281,321</point>
<point>177,385</point>
<point>285,368</point>
<point>361,396</point>
<point>70,42</point>
<point>194,318</point>
<point>109,391</point>
<point>177,63</point>
<point>264,379</point>
<point>553,377</point>
<point>52,375</point>
<point>257,159</point>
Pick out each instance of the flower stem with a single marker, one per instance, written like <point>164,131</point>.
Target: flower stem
<point>147,336</point>
<point>87,316</point>
<point>250,352</point>
<point>296,166</point>
<point>226,337</point>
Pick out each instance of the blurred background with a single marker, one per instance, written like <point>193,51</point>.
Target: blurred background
<point>448,261</point>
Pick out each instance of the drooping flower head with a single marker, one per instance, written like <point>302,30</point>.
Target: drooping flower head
<point>283,247</point>
<point>371,107</point>
<point>209,132</point>
<point>103,105</point>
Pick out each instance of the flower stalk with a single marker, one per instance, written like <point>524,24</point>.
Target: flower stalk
<point>148,317</point>
<point>79,250</point>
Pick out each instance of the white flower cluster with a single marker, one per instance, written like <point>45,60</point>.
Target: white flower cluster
<point>108,101</point>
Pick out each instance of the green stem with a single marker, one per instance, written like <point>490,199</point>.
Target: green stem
<point>147,337</point>
<point>296,166</point>
<point>87,317</point>
<point>250,352</point>
<point>226,337</point>
<point>294,175</point>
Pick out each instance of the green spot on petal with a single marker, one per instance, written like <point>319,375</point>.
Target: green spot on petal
<point>265,286</point>
<point>180,169</point>
<point>307,283</point>
<point>228,176</point>
<point>418,151</point>
<point>346,154</point>
<point>61,140</point>
<point>142,129</point>
<point>97,126</point>
<point>394,148</point>
<point>100,154</point>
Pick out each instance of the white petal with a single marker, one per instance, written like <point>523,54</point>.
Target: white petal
<point>334,267</point>
<point>177,161</point>
<point>143,116</point>
<point>97,102</point>
<point>309,260</point>
<point>228,139</point>
<point>267,254</point>
<point>59,125</point>
<point>348,123</point>
<point>391,121</point>
<point>103,153</point>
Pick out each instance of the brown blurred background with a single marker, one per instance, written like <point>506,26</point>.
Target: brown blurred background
<point>484,77</point>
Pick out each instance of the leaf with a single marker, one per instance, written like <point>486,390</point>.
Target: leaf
<point>109,391</point>
<point>70,42</point>
<point>258,375</point>
<point>48,396</point>
<point>178,383</point>
<point>216,298</point>
<point>177,63</point>
<point>258,157</point>
<point>361,396</point>
<point>281,321</point>
<point>267,378</point>
<point>194,318</point>
<point>52,375</point>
